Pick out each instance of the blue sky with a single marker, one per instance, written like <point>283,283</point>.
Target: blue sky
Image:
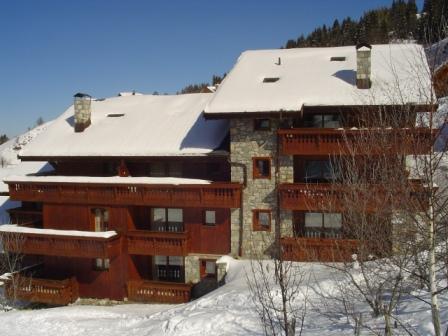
<point>52,49</point>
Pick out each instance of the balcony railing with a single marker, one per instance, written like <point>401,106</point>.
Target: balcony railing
<point>321,141</point>
<point>216,195</point>
<point>54,292</point>
<point>154,291</point>
<point>60,245</point>
<point>318,249</point>
<point>157,243</point>
<point>308,196</point>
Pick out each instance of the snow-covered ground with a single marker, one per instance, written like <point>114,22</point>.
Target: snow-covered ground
<point>226,311</point>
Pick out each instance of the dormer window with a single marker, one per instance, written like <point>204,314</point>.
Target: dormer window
<point>270,79</point>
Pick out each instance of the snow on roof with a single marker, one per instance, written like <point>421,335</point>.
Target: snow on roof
<point>308,77</point>
<point>72,233</point>
<point>148,125</point>
<point>106,180</point>
<point>22,168</point>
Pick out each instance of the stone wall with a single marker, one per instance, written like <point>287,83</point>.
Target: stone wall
<point>246,143</point>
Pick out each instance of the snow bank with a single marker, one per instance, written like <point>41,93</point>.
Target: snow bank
<point>107,180</point>
<point>71,233</point>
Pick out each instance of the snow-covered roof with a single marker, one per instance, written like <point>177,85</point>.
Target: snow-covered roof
<point>138,126</point>
<point>287,79</point>
<point>72,233</point>
<point>106,180</point>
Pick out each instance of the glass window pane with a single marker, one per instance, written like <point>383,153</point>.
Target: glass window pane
<point>333,220</point>
<point>210,267</point>
<point>264,219</point>
<point>262,167</point>
<point>157,169</point>
<point>210,217</point>
<point>313,170</point>
<point>316,121</point>
<point>331,121</point>
<point>158,215</point>
<point>175,169</point>
<point>160,260</point>
<point>175,215</point>
<point>175,261</point>
<point>313,219</point>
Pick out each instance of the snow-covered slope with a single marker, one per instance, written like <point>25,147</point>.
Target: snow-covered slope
<point>10,164</point>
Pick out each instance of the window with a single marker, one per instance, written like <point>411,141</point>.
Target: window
<point>101,224</point>
<point>169,268</point>
<point>164,169</point>
<point>323,225</point>
<point>261,220</point>
<point>262,124</point>
<point>175,169</point>
<point>261,168</point>
<point>157,169</point>
<point>322,120</point>
<point>320,171</point>
<point>210,217</point>
<point>208,269</point>
<point>170,220</point>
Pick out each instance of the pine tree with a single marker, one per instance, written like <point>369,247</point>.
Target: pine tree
<point>3,138</point>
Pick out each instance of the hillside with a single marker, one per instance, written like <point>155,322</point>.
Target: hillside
<point>10,164</point>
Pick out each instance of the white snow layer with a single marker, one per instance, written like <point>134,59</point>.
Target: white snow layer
<point>106,180</point>
<point>151,125</point>
<point>307,77</point>
<point>71,233</point>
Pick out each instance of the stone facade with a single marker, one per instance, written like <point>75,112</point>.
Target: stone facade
<point>245,144</point>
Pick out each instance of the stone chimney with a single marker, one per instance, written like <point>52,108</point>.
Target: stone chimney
<point>83,111</point>
<point>363,66</point>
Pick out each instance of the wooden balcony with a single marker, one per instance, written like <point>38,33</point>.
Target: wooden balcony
<point>308,196</point>
<point>215,195</point>
<point>162,292</point>
<point>62,246</point>
<point>157,243</point>
<point>53,292</point>
<point>318,249</point>
<point>321,141</point>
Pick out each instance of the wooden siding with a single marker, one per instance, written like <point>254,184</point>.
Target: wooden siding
<point>321,141</point>
<point>219,195</point>
<point>53,292</point>
<point>157,243</point>
<point>317,249</point>
<point>154,291</point>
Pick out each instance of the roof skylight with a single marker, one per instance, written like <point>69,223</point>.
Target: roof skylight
<point>270,79</point>
<point>338,59</point>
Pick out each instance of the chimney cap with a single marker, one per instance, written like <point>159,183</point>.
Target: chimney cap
<point>363,45</point>
<point>81,95</point>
